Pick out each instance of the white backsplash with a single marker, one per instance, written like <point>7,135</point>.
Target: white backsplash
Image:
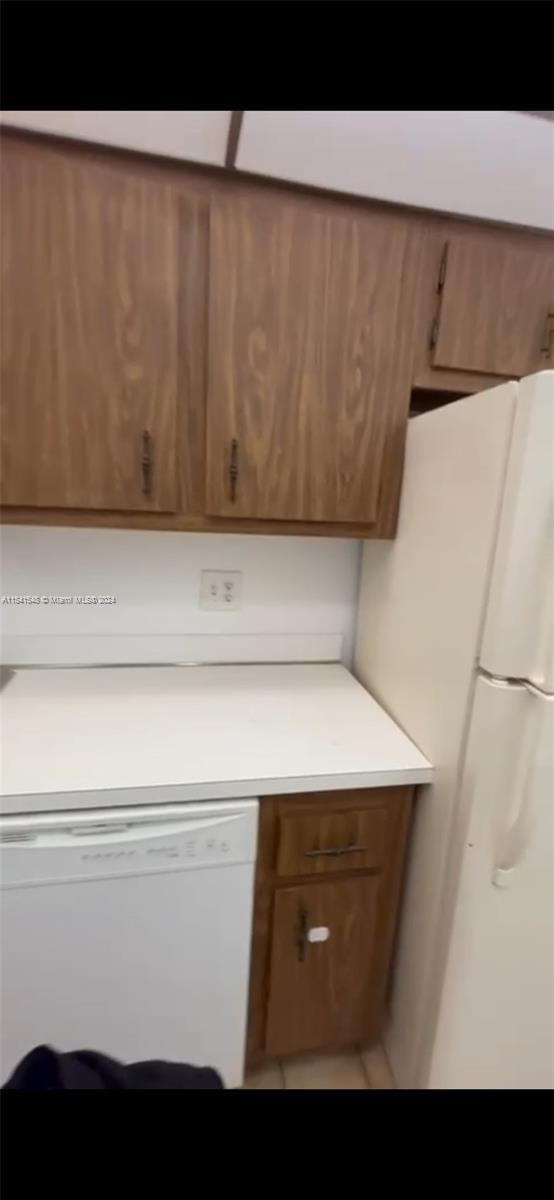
<point>298,597</point>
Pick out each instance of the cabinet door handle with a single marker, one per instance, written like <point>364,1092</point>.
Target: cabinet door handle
<point>334,852</point>
<point>147,462</point>
<point>548,335</point>
<point>301,934</point>
<point>233,470</point>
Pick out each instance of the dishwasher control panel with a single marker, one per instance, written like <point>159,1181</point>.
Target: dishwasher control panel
<point>193,848</point>
<point>79,846</point>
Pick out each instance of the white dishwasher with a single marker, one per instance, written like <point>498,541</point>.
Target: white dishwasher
<point>127,931</point>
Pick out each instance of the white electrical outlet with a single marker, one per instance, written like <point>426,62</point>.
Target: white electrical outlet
<point>220,590</point>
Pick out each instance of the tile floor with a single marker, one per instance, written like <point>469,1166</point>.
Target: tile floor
<point>353,1071</point>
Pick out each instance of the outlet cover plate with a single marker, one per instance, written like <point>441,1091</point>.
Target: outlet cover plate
<point>221,591</point>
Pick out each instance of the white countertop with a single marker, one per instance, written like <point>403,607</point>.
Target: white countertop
<point>203,732</point>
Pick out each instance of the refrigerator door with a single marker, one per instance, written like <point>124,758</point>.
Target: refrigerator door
<point>495,1013</point>
<point>420,617</point>
<point>518,634</point>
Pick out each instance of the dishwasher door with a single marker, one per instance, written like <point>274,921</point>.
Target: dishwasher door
<point>127,931</point>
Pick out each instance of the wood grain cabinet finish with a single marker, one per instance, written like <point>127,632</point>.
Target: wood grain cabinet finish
<point>304,306</point>
<point>323,843</point>
<point>318,989</point>
<point>322,991</point>
<point>496,304</point>
<point>185,350</point>
<point>89,334</point>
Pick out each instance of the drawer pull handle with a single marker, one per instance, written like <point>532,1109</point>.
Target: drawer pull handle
<point>335,852</point>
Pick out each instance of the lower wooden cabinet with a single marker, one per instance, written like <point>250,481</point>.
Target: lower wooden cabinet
<point>328,882</point>
<point>318,988</point>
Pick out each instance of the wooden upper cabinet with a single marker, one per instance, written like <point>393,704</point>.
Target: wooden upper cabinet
<point>303,315</point>
<point>180,350</point>
<point>496,304</point>
<point>89,333</point>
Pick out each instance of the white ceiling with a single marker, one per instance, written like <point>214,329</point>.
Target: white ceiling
<point>496,165</point>
<point>196,136</point>
<point>488,164</point>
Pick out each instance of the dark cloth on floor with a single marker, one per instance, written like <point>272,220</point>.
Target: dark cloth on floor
<point>44,1070</point>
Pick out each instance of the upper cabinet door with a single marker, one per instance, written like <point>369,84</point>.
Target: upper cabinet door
<point>303,314</point>
<point>89,334</point>
<point>497,304</point>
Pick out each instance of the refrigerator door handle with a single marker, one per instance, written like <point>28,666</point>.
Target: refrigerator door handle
<point>542,665</point>
<point>514,837</point>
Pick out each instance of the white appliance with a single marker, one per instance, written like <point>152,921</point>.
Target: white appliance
<point>455,640</point>
<point>127,931</point>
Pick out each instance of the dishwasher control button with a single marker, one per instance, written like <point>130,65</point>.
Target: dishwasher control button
<point>224,846</point>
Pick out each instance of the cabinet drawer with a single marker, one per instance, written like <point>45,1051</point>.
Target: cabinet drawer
<point>321,843</point>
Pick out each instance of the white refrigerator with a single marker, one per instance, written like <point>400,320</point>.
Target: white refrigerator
<point>455,639</point>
